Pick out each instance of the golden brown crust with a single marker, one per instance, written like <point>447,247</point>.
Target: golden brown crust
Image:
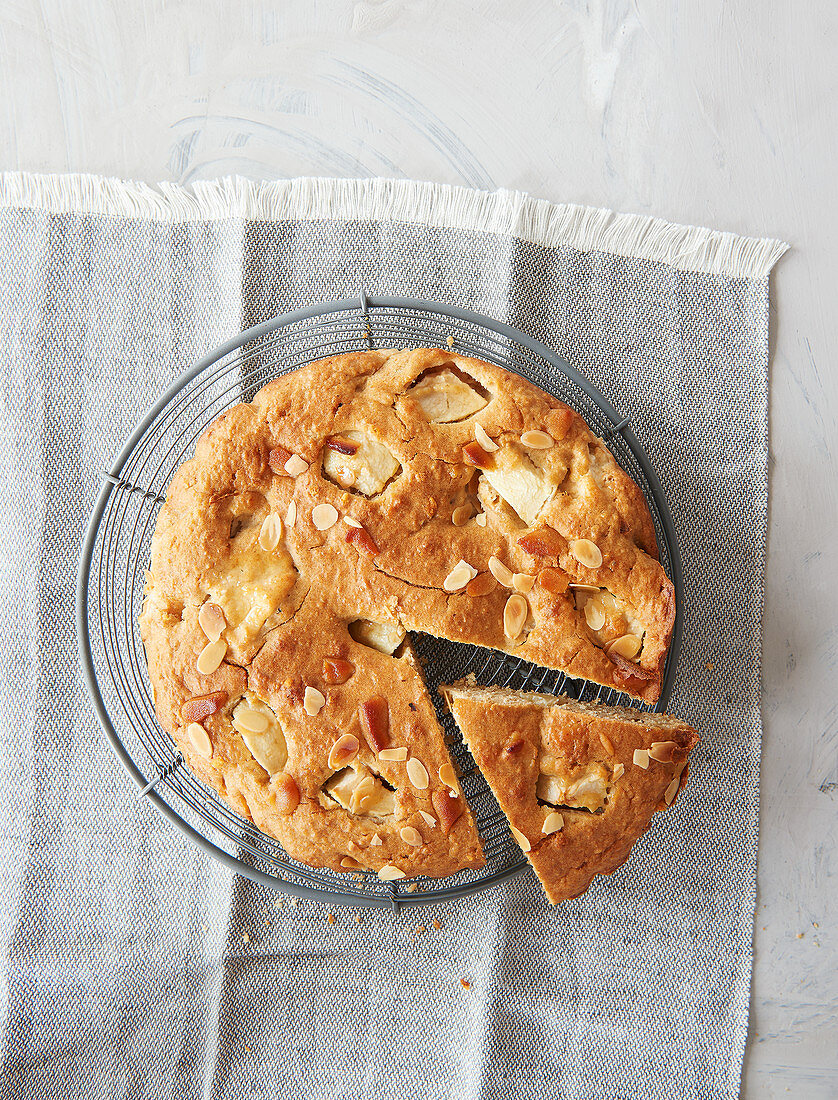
<point>411,486</point>
<point>515,736</point>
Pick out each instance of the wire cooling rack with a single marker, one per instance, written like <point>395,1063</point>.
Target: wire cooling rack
<point>117,550</point>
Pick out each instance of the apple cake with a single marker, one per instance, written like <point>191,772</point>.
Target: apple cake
<point>353,500</point>
<point>578,782</point>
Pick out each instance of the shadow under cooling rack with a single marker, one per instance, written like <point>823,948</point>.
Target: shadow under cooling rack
<point>117,549</point>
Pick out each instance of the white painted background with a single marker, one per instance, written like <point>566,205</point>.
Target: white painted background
<point>719,113</point>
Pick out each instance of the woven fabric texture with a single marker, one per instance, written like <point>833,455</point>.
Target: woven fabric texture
<point>127,971</point>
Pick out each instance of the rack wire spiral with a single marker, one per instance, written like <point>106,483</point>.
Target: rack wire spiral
<point>116,551</point>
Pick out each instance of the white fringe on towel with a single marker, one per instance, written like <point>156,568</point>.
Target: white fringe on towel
<point>505,213</point>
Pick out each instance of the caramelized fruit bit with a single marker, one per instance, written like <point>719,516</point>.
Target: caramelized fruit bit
<point>336,670</point>
<point>202,706</point>
<point>287,794</point>
<point>559,421</point>
<point>277,459</point>
<point>375,722</point>
<point>342,446</point>
<point>343,750</point>
<point>362,540</point>
<point>475,455</point>
<point>543,542</point>
<point>551,580</point>
<point>448,809</point>
<point>481,585</point>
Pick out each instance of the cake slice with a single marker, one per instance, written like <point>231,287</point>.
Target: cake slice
<point>578,782</point>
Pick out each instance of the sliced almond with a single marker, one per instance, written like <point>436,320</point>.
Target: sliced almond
<point>399,755</point>
<point>484,439</point>
<point>199,739</point>
<point>594,615</point>
<point>376,841</point>
<point>211,620</point>
<point>349,863</point>
<point>449,776</point>
<point>350,521</point>
<point>522,840</point>
<point>389,872</point>
<point>500,572</point>
<point>515,615</point>
<point>248,720</point>
<point>324,516</point>
<point>211,657</point>
<point>587,553</point>
<point>641,758</point>
<point>627,646</point>
<point>270,532</point>
<point>411,836</point>
<point>552,823</point>
<point>672,790</point>
<point>523,582</point>
<point>460,516</point>
<point>584,589</point>
<point>480,520</point>
<point>459,576</point>
<point>537,440</point>
<point>663,751</point>
<point>313,701</point>
<point>343,750</point>
<point>286,794</point>
<point>291,514</point>
<point>296,466</point>
<point>429,819</point>
<point>417,773</point>
<point>607,743</point>
<point>619,771</point>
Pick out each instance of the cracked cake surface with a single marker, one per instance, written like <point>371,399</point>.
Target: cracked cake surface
<point>356,499</point>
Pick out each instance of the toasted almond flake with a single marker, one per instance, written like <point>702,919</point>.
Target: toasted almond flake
<point>641,758</point>
<point>270,532</point>
<point>607,743</point>
<point>313,701</point>
<point>671,790</point>
<point>619,771</point>
<point>389,872</point>
<point>211,657</point>
<point>537,440</point>
<point>411,836</point>
<point>376,841</point>
<point>484,439</point>
<point>459,576</point>
<point>429,819</point>
<point>417,773</point>
<point>350,521</point>
<point>343,750</point>
<point>627,646</point>
<point>500,572</point>
<point>249,720</point>
<point>449,777</point>
<point>212,621</point>
<point>296,466</point>
<point>348,861</point>
<point>584,589</point>
<point>523,582</point>
<point>662,751</point>
<point>552,823</point>
<point>199,739</point>
<point>324,516</point>
<point>514,615</point>
<point>480,520</point>
<point>594,615</point>
<point>393,754</point>
<point>291,514</point>
<point>460,516</point>
<point>587,553</point>
<point>522,840</point>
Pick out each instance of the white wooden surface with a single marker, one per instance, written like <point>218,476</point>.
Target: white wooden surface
<point>719,113</point>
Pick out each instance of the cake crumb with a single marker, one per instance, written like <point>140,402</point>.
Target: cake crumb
<point>800,935</point>
<point>450,341</point>
<point>436,924</point>
<point>246,937</point>
<point>710,666</point>
<point>815,924</point>
<point>331,918</point>
<point>247,1049</point>
<point>205,927</point>
<point>412,888</point>
<point>421,928</point>
<point>358,919</point>
<point>465,984</point>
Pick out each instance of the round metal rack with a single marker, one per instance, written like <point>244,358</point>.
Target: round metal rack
<point>116,552</point>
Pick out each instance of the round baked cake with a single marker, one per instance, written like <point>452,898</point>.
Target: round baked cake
<point>357,499</point>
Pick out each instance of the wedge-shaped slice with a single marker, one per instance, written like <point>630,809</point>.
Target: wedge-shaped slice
<point>578,782</point>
